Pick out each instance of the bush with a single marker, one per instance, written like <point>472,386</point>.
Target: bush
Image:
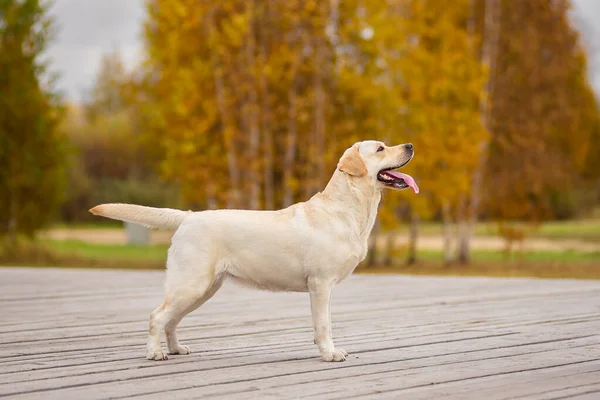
<point>21,251</point>
<point>85,193</point>
<point>107,164</point>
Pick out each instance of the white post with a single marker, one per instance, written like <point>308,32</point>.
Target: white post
<point>137,234</point>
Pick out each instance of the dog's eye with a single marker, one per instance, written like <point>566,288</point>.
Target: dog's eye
<point>380,148</point>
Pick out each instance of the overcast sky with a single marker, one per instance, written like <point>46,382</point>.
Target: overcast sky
<point>90,28</point>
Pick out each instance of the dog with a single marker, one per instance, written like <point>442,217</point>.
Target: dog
<point>307,247</point>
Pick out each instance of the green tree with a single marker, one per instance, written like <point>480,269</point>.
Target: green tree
<point>107,96</point>
<point>109,161</point>
<point>32,151</point>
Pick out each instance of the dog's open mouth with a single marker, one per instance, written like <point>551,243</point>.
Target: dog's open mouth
<point>397,180</point>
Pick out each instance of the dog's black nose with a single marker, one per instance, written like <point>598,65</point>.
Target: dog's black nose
<point>408,146</point>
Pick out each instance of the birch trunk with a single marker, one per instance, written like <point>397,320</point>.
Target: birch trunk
<point>413,238</point>
<point>211,198</point>
<point>447,233</point>
<point>320,104</point>
<point>292,136</point>
<point>488,57</point>
<point>13,221</point>
<point>228,124</point>
<point>252,116</point>
<point>265,112</point>
<point>390,241</point>
<point>372,253</point>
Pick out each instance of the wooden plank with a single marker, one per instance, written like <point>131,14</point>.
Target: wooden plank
<point>536,384</point>
<point>80,334</point>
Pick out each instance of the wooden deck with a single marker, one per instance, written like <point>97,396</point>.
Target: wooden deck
<point>75,334</point>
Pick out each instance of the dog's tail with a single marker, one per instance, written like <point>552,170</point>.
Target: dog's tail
<point>161,218</point>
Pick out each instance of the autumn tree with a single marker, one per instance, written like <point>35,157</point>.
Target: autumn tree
<point>32,151</point>
<point>250,103</point>
<point>418,66</point>
<point>445,86</point>
<point>244,99</point>
<point>543,113</point>
<point>539,109</point>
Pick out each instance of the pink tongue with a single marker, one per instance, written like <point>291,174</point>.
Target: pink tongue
<point>407,178</point>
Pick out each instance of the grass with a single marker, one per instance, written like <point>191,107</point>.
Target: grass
<point>538,256</point>
<point>109,252</point>
<point>539,264</point>
<point>583,229</point>
<point>71,253</point>
<point>100,224</point>
<point>78,254</point>
<point>562,270</point>
<point>579,229</point>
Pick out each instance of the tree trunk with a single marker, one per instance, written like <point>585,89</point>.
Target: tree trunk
<point>228,125</point>
<point>372,253</point>
<point>412,239</point>
<point>488,57</point>
<point>462,216</point>
<point>252,109</point>
<point>388,257</point>
<point>320,104</point>
<point>292,136</point>
<point>13,216</point>
<point>229,138</point>
<point>211,198</point>
<point>265,113</point>
<point>268,160</point>
<point>447,231</point>
<point>333,23</point>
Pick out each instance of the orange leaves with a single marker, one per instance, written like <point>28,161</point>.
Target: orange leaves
<point>541,105</point>
<point>439,84</point>
<point>278,89</point>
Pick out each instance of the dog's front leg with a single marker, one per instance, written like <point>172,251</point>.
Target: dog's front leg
<point>320,295</point>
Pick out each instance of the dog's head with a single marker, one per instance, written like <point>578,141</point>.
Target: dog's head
<point>376,162</point>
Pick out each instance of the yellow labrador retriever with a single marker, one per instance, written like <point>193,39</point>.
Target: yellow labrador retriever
<point>307,247</point>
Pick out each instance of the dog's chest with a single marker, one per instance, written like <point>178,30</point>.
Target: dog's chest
<point>345,261</point>
<point>359,247</point>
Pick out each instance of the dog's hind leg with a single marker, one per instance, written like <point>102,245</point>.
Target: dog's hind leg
<point>170,328</point>
<point>182,297</point>
<point>153,346</point>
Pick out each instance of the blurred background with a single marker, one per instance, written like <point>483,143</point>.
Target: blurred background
<point>249,104</point>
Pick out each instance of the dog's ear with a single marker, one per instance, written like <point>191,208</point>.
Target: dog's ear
<point>352,163</point>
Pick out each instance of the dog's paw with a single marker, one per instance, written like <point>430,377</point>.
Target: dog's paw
<point>157,355</point>
<point>335,355</point>
<point>180,350</point>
